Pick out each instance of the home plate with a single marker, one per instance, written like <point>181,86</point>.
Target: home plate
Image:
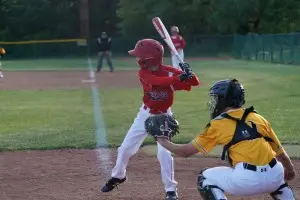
<point>88,81</point>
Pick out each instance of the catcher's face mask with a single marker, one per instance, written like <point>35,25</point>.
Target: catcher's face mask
<point>212,104</point>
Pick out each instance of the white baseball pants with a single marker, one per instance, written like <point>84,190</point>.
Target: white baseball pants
<point>1,74</point>
<point>243,182</point>
<point>132,142</point>
<point>175,61</point>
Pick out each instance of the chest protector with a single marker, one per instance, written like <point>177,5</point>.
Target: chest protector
<point>242,132</point>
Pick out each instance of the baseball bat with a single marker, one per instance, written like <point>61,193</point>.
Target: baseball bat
<point>161,29</point>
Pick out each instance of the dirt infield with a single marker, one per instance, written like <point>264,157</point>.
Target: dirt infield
<point>67,79</point>
<point>78,174</point>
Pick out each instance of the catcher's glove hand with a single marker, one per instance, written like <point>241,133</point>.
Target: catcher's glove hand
<point>162,125</point>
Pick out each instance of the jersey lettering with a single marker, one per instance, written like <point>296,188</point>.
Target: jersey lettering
<point>158,96</point>
<point>245,134</point>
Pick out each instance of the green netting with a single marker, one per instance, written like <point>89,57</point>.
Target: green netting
<point>44,50</point>
<point>277,48</point>
<point>197,46</point>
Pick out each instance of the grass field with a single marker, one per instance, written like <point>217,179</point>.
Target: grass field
<point>63,118</point>
<point>61,64</point>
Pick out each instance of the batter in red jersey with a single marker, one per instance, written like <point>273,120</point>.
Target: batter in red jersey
<point>158,97</point>
<point>179,44</point>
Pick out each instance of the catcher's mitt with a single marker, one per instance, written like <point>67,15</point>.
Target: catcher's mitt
<point>162,125</point>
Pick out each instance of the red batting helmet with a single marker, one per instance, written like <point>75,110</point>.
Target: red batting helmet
<point>149,51</point>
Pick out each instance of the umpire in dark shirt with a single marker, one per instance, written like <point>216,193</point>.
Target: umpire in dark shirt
<point>104,45</point>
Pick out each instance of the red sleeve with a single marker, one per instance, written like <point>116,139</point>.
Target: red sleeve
<point>194,81</point>
<point>151,79</point>
<point>171,69</point>
<point>186,85</point>
<point>182,86</point>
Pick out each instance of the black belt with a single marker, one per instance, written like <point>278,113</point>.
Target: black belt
<point>272,163</point>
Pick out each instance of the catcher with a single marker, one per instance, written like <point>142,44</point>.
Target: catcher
<point>158,97</point>
<point>259,164</point>
<point>2,53</point>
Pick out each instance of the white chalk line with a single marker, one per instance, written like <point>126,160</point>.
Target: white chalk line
<point>103,155</point>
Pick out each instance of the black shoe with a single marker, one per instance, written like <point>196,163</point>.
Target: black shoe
<point>111,184</point>
<point>172,195</point>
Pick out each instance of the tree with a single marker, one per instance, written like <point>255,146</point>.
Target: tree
<point>210,16</point>
<point>38,19</point>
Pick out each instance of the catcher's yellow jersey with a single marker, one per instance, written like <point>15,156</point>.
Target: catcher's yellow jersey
<point>256,152</point>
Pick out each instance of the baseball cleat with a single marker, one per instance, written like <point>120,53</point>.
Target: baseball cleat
<point>172,195</point>
<point>111,184</point>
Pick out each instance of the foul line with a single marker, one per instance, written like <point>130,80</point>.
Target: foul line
<point>103,155</point>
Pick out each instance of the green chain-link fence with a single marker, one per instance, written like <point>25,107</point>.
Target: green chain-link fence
<point>197,46</point>
<point>277,48</point>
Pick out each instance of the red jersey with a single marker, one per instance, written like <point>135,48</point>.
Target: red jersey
<point>159,87</point>
<point>178,41</point>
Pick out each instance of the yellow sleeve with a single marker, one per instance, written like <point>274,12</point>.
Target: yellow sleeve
<point>206,141</point>
<point>276,144</point>
<point>267,131</point>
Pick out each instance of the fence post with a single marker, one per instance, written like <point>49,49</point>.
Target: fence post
<point>256,38</point>
<point>263,46</point>
<point>281,53</point>
<point>292,51</point>
<point>34,50</point>
<point>271,47</point>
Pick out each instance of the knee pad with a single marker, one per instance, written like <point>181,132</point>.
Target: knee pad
<point>209,192</point>
<point>201,179</point>
<point>284,192</point>
<point>212,192</point>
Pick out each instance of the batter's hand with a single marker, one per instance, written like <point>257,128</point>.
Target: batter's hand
<point>187,69</point>
<point>289,174</point>
<point>184,76</point>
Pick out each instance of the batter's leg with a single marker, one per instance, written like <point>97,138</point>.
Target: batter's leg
<point>130,145</point>
<point>167,168</point>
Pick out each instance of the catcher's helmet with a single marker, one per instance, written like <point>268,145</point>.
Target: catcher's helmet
<point>223,94</point>
<point>174,29</point>
<point>150,52</point>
